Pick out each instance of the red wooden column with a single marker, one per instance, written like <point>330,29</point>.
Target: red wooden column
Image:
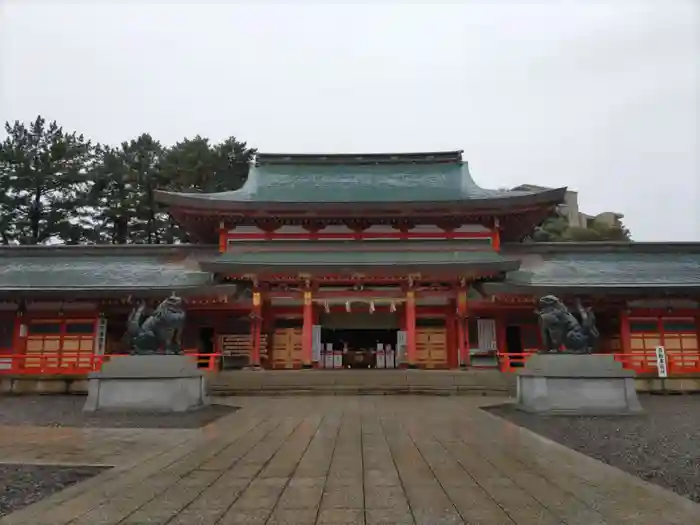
<point>625,339</point>
<point>411,328</point>
<point>307,340</point>
<point>451,329</point>
<point>462,327</point>
<point>255,326</point>
<point>501,346</point>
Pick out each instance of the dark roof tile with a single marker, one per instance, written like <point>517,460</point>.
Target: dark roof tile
<point>371,183</point>
<point>609,269</point>
<point>97,271</point>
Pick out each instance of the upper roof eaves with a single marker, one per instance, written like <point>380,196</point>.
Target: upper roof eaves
<point>350,179</point>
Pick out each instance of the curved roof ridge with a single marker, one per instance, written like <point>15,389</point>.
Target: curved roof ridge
<point>352,158</point>
<point>470,185</point>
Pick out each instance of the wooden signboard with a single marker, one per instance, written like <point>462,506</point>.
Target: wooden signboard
<point>235,350</point>
<point>234,345</point>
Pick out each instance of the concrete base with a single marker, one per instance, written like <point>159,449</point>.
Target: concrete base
<point>580,385</point>
<point>147,383</point>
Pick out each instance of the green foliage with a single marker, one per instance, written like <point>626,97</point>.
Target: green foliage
<point>551,230</point>
<point>58,187</point>
<point>196,165</point>
<point>125,180</point>
<point>557,229</point>
<point>113,197</point>
<point>44,179</point>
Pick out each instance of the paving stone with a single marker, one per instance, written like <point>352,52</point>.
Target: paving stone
<point>387,477</point>
<point>293,517</point>
<point>341,517</point>
<point>246,517</point>
<point>213,503</point>
<point>385,497</point>
<point>388,517</point>
<point>350,497</point>
<point>338,460</point>
<point>302,493</point>
<point>167,505</point>
<point>432,516</point>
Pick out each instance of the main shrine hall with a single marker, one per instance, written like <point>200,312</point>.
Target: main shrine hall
<point>353,261</point>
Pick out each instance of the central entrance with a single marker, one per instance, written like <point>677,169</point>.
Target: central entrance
<point>359,340</point>
<point>360,348</point>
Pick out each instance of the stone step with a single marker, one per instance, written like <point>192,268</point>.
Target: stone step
<point>353,382</point>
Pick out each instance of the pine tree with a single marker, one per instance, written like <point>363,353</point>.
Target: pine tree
<point>195,165</point>
<point>231,164</point>
<point>143,158</point>
<point>114,196</point>
<point>7,204</point>
<point>45,182</point>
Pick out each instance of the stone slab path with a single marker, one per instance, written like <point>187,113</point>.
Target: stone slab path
<point>337,460</point>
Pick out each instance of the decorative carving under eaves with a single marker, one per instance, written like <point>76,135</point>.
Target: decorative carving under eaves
<point>514,299</point>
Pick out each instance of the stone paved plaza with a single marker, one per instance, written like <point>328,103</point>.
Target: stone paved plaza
<point>336,460</point>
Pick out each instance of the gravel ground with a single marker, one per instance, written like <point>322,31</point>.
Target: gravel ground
<point>661,446</point>
<point>22,485</point>
<point>67,411</point>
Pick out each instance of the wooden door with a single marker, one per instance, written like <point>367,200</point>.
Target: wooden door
<point>286,348</point>
<point>438,348</point>
<point>59,343</point>
<point>431,347</point>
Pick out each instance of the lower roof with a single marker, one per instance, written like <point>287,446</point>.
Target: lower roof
<point>330,261</point>
<point>95,271</point>
<point>628,268</point>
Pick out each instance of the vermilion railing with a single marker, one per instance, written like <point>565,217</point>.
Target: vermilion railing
<point>210,361</point>
<point>76,363</point>
<point>679,362</point>
<point>50,363</point>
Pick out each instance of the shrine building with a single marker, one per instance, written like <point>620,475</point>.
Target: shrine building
<point>352,261</point>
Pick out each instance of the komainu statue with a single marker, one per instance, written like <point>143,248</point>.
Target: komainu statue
<point>561,331</point>
<point>160,333</point>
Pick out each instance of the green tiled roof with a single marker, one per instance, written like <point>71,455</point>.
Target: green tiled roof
<point>358,259</point>
<point>615,269</point>
<point>342,181</point>
<point>634,267</point>
<point>101,270</point>
<point>362,183</point>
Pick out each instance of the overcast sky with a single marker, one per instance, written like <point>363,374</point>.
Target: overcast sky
<point>601,97</point>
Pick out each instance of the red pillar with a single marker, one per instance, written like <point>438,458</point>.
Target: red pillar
<point>463,328</point>
<point>460,341</point>
<point>307,340</point>
<point>451,328</point>
<point>255,325</point>
<point>625,340</point>
<point>411,328</point>
<point>496,240</point>
<point>467,353</point>
<point>501,342</point>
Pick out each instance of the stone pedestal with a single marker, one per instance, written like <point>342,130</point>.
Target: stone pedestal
<point>147,383</point>
<point>580,385</point>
